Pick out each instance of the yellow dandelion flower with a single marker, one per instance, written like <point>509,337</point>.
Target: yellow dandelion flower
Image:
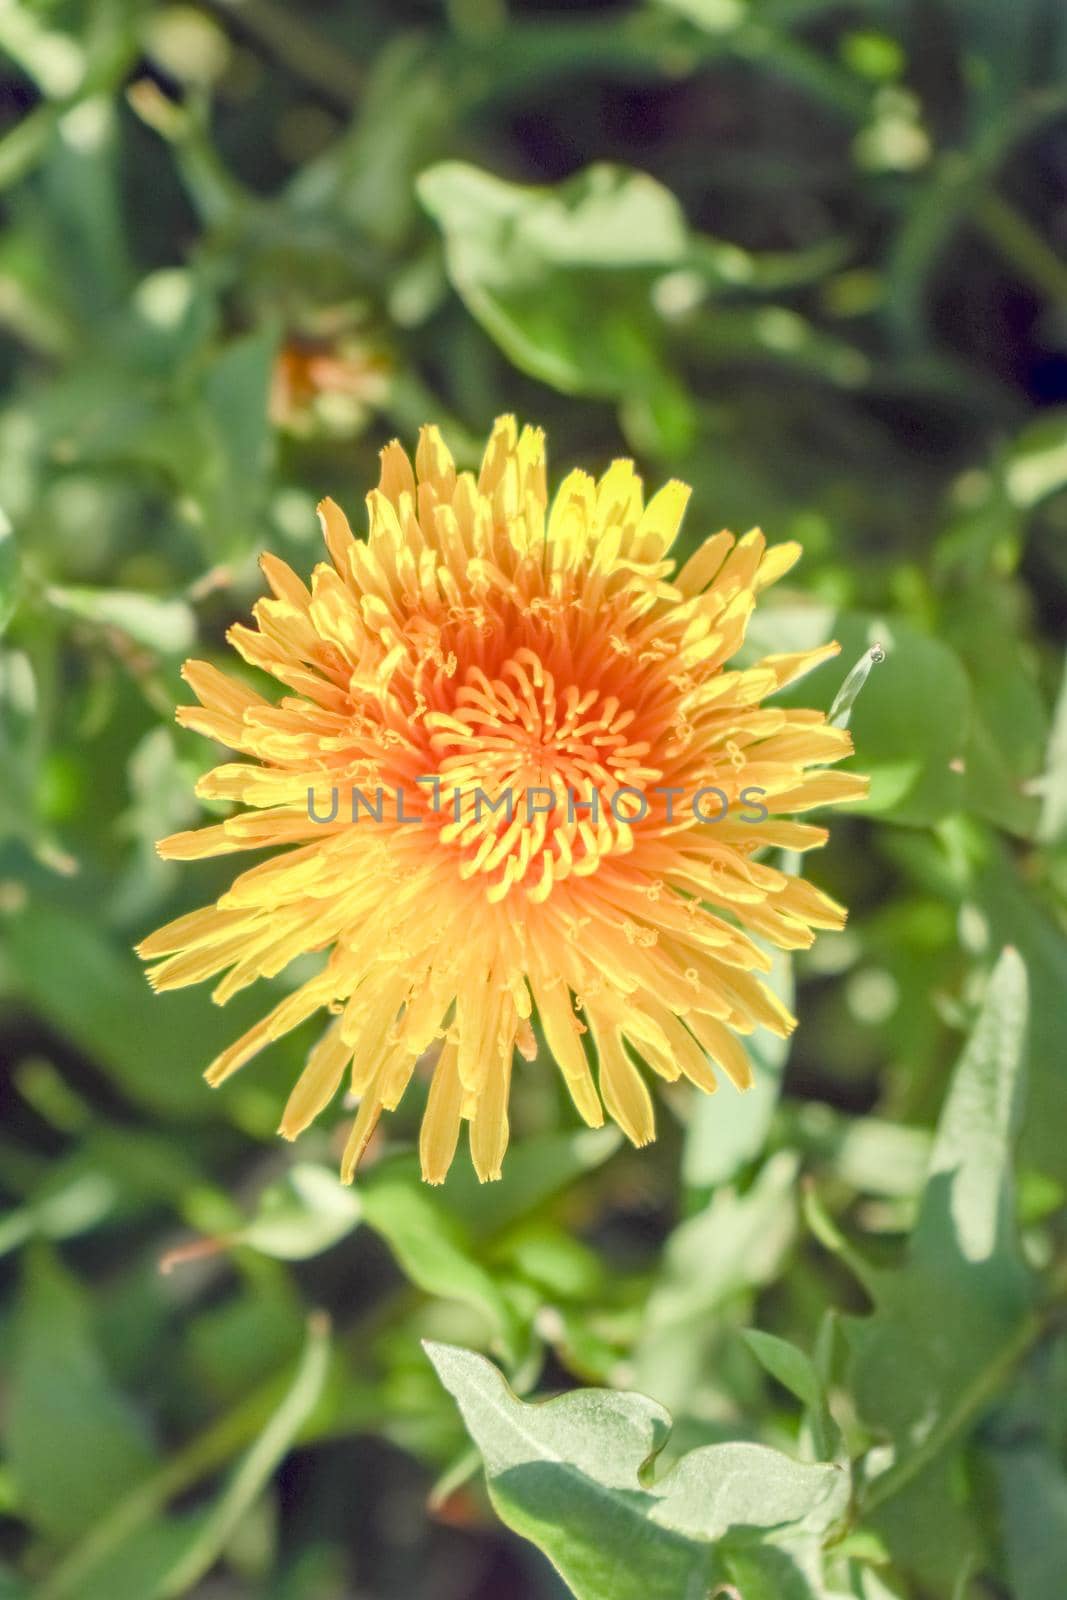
<point>517,779</point>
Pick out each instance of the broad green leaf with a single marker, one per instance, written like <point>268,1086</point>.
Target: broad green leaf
<point>236,396</point>
<point>303,1215</point>
<point>576,1476</point>
<point>161,782</point>
<point>1012,914</point>
<point>554,1260</point>
<point>172,316</point>
<point>73,1443</point>
<point>870,1154</point>
<point>964,1291</point>
<point>249,1335</point>
<point>1032,1487</point>
<point>561,278</point>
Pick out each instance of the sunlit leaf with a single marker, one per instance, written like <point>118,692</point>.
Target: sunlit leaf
<point>561,278</point>
<point>576,1476</point>
<point>306,1213</point>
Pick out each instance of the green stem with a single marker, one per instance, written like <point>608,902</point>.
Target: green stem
<point>1019,241</point>
<point>320,62</point>
<point>207,1452</point>
<point>974,1399</point>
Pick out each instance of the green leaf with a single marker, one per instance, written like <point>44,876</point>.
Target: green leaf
<point>9,572</point>
<point>575,1476</point>
<point>796,1371</point>
<point>735,1244</point>
<point>1035,465</point>
<point>714,16</point>
<point>139,1552</point>
<point>154,1047</point>
<point>1032,1486</point>
<point>165,626</point>
<point>236,395</point>
<point>560,278</point>
<point>909,741</point>
<point>171,317</point>
<point>20,743</point>
<point>949,1324</point>
<point>25,143</point>
<point>71,1205</point>
<point>870,1154</point>
<point>236,389</point>
<point>1052,828</point>
<point>969,868</point>
<point>1009,724</point>
<point>432,1248</point>
<point>787,1363</point>
<point>302,1216</point>
<point>73,1443</point>
<point>777,336</point>
<point>367,175</point>
<point>1012,914</point>
<point>253,1473</point>
<point>80,180</point>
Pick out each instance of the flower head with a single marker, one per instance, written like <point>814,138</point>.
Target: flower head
<point>562,790</point>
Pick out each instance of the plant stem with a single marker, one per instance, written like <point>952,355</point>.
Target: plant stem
<point>983,1389</point>
<point>318,61</point>
<point>1019,241</point>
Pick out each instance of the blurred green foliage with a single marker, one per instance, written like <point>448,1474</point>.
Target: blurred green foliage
<point>811,256</point>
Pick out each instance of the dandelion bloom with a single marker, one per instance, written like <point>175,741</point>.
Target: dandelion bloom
<point>483,639</point>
